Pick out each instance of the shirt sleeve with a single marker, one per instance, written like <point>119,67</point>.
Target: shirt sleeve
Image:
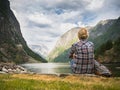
<point>72,51</point>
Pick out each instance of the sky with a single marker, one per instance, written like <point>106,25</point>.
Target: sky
<point>44,21</point>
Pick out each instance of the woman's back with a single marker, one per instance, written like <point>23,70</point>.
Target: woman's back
<point>84,52</point>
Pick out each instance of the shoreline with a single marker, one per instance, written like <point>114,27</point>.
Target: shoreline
<point>12,68</point>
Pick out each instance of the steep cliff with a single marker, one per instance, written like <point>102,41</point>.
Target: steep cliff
<point>13,47</point>
<point>60,51</point>
<point>104,34</point>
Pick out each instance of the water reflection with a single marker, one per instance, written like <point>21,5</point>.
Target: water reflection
<point>48,68</point>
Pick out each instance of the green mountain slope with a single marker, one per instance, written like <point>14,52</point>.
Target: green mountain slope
<point>63,44</point>
<point>104,31</point>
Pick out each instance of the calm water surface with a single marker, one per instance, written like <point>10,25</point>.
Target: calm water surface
<point>48,68</point>
<point>54,68</point>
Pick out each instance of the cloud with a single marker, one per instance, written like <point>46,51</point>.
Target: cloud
<point>44,21</point>
<point>94,4</point>
<point>36,24</point>
<point>39,18</point>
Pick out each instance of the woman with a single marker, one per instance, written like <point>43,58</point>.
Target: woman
<point>84,53</point>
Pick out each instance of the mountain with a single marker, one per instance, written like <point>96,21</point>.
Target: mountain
<point>13,47</point>
<point>59,52</point>
<point>40,49</point>
<point>103,35</point>
<point>103,32</point>
<point>107,43</point>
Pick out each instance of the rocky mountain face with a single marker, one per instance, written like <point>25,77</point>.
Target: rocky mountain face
<point>107,42</point>
<point>106,31</point>
<point>13,47</point>
<point>97,33</point>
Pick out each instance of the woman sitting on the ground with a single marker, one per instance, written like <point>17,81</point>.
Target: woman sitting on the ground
<point>82,54</point>
<point>84,51</point>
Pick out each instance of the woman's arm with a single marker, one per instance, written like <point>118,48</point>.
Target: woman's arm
<point>72,51</point>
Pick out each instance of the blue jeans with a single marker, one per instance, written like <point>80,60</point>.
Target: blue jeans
<point>73,65</point>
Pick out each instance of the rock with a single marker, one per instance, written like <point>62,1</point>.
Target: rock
<point>9,70</point>
<point>11,39</point>
<point>21,68</point>
<point>18,70</point>
<point>63,75</point>
<point>23,72</point>
<point>12,68</point>
<point>4,70</point>
<point>0,68</point>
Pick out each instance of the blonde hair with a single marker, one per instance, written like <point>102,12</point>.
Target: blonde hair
<point>82,33</point>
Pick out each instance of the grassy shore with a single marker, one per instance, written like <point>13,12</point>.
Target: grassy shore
<point>53,82</point>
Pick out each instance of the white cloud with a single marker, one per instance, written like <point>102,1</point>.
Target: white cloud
<point>39,18</point>
<point>80,24</point>
<point>44,21</point>
<point>95,4</point>
<point>66,26</point>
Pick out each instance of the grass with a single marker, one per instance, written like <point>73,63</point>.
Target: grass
<point>52,82</point>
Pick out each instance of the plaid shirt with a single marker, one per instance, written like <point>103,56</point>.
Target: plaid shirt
<point>84,51</point>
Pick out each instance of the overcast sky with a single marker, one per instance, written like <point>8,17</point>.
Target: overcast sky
<point>44,21</point>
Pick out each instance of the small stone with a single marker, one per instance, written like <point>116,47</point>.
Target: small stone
<point>18,70</point>
<point>23,72</point>
<point>9,70</point>
<point>21,68</point>
<point>2,72</point>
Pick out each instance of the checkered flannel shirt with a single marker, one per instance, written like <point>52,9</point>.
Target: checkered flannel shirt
<point>84,51</point>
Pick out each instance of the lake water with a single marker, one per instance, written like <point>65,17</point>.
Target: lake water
<point>58,68</point>
<point>48,68</point>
